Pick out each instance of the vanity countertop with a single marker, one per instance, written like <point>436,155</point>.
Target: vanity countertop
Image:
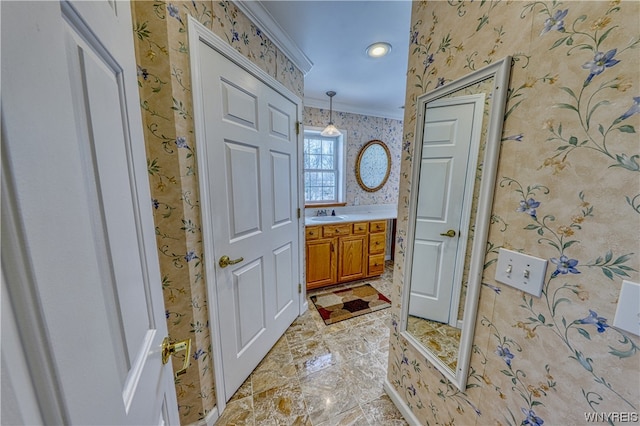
<point>353,214</point>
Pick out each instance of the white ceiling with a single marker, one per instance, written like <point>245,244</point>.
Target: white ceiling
<point>333,36</point>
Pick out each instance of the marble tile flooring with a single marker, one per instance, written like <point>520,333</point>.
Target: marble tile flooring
<point>319,375</point>
<point>442,340</point>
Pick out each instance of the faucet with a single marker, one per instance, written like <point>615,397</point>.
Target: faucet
<point>321,212</point>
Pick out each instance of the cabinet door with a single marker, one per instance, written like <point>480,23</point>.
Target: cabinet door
<point>321,262</point>
<point>352,257</point>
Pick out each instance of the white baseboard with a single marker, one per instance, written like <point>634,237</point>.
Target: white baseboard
<point>400,404</point>
<point>209,420</point>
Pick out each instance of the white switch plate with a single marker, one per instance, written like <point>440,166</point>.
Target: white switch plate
<point>512,270</point>
<point>628,311</point>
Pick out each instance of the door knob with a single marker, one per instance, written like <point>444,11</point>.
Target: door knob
<point>169,349</point>
<point>450,233</point>
<point>225,261</point>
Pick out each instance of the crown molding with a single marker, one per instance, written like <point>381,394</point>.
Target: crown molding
<point>342,107</point>
<point>257,13</point>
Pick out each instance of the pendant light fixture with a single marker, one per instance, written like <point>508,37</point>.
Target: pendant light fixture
<point>330,130</point>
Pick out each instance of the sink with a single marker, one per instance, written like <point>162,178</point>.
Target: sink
<point>328,218</point>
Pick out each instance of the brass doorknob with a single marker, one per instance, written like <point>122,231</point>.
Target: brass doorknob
<point>450,233</point>
<point>169,349</point>
<point>225,261</point>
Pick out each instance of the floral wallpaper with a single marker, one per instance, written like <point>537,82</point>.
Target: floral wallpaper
<point>568,190</point>
<point>162,55</point>
<point>359,130</point>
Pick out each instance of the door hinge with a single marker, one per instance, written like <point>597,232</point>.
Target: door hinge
<point>299,288</point>
<point>298,212</point>
<point>297,127</point>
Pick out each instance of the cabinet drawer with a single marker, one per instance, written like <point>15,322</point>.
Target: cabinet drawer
<point>377,226</point>
<point>360,227</point>
<point>312,232</point>
<point>376,243</point>
<point>376,265</point>
<point>336,230</point>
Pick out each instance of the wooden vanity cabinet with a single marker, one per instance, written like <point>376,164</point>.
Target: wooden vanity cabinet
<point>344,252</point>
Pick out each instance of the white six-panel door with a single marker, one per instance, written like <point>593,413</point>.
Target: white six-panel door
<point>447,173</point>
<point>81,256</point>
<point>251,148</point>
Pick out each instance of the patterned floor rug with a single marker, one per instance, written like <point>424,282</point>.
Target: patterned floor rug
<point>347,303</point>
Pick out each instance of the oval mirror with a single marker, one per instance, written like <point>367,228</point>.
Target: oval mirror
<point>458,133</point>
<point>373,165</point>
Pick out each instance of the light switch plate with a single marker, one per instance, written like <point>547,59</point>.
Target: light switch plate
<point>521,271</point>
<point>628,311</point>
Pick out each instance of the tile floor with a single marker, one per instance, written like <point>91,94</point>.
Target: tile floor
<point>319,375</point>
<point>442,339</point>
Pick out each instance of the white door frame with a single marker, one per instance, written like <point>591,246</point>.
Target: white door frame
<point>199,33</point>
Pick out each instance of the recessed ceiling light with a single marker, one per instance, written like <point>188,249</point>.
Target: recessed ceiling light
<point>378,50</point>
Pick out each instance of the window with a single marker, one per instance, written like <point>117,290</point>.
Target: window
<point>323,169</point>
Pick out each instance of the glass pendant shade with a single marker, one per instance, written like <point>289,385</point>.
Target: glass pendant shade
<point>330,130</point>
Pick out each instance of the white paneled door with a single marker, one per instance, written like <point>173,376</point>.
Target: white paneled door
<point>447,175</point>
<point>252,196</point>
<point>78,244</point>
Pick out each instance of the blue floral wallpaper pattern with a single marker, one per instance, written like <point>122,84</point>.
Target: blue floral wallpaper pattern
<point>568,190</point>
<point>164,79</point>
<point>359,130</point>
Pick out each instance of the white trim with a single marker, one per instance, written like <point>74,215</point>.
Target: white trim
<point>199,33</point>
<point>342,165</point>
<point>256,12</point>
<point>202,33</point>
<point>210,419</point>
<point>351,109</point>
<point>302,247</point>
<point>196,31</point>
<point>400,404</point>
